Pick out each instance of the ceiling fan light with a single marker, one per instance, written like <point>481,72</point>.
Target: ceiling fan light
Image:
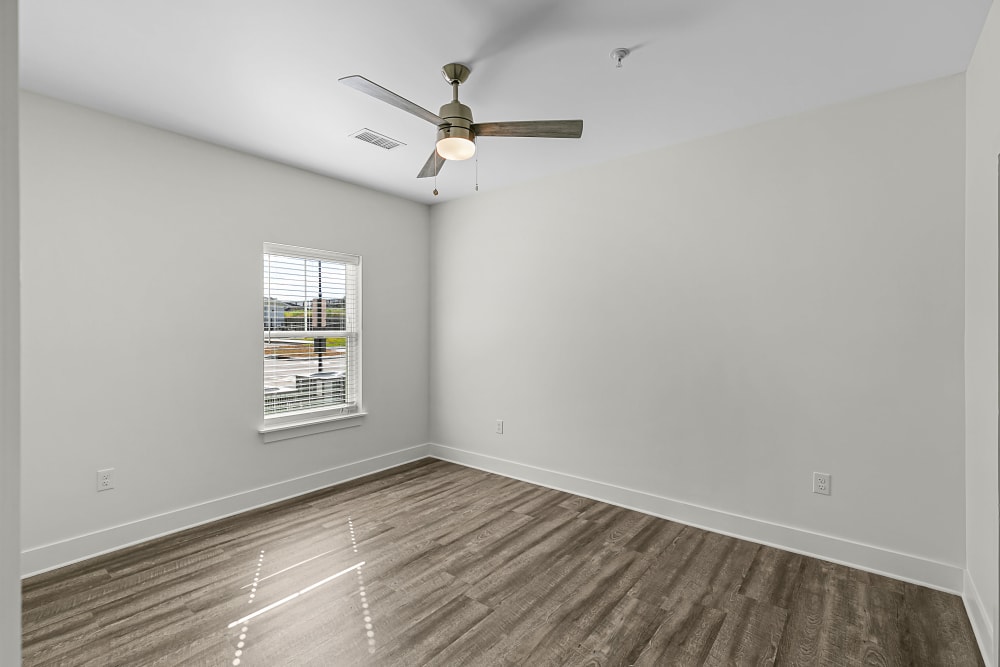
<point>456,148</point>
<point>456,143</point>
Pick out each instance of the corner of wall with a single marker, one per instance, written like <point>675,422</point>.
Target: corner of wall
<point>979,617</point>
<point>10,426</point>
<point>981,591</point>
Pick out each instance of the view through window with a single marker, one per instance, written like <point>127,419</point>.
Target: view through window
<point>312,341</point>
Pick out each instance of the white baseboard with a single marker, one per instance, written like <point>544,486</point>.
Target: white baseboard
<point>50,556</point>
<point>933,574</point>
<point>980,619</point>
<point>906,567</point>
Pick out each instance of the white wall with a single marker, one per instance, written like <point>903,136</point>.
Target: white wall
<point>712,322</point>
<point>783,298</point>
<point>141,344</point>
<point>10,553</point>
<point>981,340</point>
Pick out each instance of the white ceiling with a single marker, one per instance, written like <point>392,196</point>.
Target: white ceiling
<point>261,76</point>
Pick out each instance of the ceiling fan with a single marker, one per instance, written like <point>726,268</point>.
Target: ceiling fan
<point>456,135</point>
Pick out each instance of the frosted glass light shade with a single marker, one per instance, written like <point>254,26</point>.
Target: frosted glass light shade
<point>456,148</point>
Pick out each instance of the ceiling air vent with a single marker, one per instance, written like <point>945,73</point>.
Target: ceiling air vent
<point>376,139</point>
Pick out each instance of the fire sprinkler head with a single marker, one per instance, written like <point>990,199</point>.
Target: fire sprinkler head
<point>618,55</point>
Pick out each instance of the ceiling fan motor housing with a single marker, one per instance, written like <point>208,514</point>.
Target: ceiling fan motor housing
<point>459,118</point>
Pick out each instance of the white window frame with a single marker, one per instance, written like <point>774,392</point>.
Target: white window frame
<point>315,420</point>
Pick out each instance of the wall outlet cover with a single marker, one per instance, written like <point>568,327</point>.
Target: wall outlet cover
<point>821,483</point>
<point>105,479</point>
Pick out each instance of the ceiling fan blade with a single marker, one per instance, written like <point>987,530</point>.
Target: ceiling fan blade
<point>386,95</point>
<point>433,165</point>
<point>557,129</point>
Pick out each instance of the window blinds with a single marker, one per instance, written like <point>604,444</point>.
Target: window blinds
<point>312,335</point>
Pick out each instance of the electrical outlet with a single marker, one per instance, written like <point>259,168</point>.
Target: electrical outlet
<point>821,483</point>
<point>499,427</point>
<point>105,479</point>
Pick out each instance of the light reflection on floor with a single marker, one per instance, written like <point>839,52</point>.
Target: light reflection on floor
<point>291,567</point>
<point>243,623</point>
<point>241,640</point>
<point>365,611</point>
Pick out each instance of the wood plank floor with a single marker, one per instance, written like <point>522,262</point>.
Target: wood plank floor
<point>436,564</point>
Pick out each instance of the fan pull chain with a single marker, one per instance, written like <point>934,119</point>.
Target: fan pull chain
<point>477,171</point>
<point>435,173</point>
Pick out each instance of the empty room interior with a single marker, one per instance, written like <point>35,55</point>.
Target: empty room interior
<point>696,365</point>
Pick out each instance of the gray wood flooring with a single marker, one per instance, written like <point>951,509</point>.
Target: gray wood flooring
<point>437,564</point>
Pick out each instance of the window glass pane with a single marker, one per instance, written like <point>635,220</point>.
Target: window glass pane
<point>302,293</point>
<point>311,344</point>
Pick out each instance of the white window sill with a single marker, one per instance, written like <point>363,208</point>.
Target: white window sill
<point>288,430</point>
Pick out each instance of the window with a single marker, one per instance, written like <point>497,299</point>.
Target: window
<point>312,335</point>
